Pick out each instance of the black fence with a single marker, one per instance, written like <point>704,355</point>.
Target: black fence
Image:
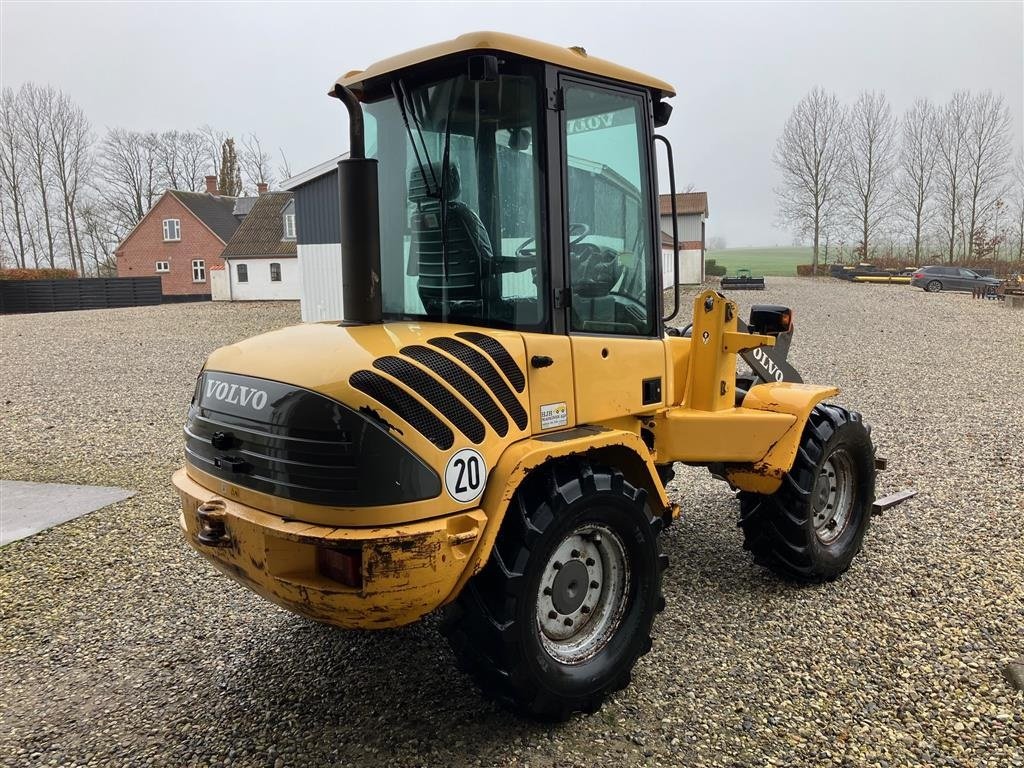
<point>17,296</point>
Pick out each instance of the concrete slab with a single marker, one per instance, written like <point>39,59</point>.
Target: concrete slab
<point>28,508</point>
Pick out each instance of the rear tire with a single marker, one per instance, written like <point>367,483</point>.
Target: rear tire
<point>933,286</point>
<point>561,612</point>
<point>813,526</point>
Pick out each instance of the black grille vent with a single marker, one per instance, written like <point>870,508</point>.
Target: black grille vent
<point>499,354</point>
<point>482,368</point>
<point>435,393</point>
<point>296,444</point>
<point>406,406</point>
<point>462,383</point>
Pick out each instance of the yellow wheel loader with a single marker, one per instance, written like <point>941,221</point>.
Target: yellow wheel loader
<point>491,425</point>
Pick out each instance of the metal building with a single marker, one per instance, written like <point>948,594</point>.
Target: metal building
<point>318,240</point>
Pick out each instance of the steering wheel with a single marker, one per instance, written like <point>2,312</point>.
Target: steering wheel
<point>576,233</point>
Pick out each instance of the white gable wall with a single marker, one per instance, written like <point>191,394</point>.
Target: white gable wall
<point>259,286</point>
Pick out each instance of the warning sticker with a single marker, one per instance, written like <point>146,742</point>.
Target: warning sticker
<point>554,415</point>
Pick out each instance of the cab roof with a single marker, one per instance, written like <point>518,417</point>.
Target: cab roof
<point>571,58</point>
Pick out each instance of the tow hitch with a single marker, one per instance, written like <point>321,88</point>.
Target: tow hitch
<point>212,531</point>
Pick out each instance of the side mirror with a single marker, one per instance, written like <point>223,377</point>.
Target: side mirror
<point>770,319</point>
<point>662,112</point>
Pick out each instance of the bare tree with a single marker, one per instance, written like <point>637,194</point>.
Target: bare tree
<point>284,169</point>
<point>13,175</point>
<point>70,143</point>
<point>1018,204</point>
<point>183,159</point>
<point>213,146</point>
<point>34,106</point>
<point>916,181</point>
<point>810,153</point>
<point>951,149</point>
<point>871,159</point>
<point>132,178</point>
<point>255,163</point>
<point>101,233</point>
<point>988,161</point>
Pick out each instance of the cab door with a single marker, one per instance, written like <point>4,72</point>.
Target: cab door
<point>613,313</point>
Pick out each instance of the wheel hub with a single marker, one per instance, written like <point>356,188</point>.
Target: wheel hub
<point>832,497</point>
<point>582,594</point>
<point>570,587</point>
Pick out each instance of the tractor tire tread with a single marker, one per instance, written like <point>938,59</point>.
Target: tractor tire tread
<point>479,629</point>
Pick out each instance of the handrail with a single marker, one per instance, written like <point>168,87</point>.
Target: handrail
<point>675,227</point>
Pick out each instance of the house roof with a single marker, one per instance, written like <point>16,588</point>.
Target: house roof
<point>261,232</point>
<point>686,203</point>
<point>242,206</point>
<point>215,211</point>
<point>327,166</point>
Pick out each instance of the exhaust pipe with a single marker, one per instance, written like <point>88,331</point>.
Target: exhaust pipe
<point>360,223</point>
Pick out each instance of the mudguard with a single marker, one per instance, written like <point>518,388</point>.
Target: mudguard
<point>765,475</point>
<point>618,448</point>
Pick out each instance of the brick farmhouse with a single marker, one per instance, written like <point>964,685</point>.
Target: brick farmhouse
<point>181,239</point>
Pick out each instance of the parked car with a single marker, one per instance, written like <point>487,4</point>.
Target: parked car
<point>933,279</point>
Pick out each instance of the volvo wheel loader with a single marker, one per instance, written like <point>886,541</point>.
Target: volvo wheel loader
<point>491,424</point>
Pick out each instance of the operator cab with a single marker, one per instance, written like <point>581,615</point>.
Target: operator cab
<point>516,190</point>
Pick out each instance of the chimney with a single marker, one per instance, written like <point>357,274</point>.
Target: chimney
<point>211,185</point>
<point>261,188</point>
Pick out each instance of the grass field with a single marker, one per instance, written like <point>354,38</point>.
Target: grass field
<point>779,261</point>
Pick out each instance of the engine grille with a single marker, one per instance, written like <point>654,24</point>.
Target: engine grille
<point>443,381</point>
<point>299,445</point>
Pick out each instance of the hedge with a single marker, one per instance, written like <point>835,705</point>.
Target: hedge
<point>38,274</point>
<point>712,269</point>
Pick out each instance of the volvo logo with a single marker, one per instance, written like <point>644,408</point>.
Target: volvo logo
<point>773,370</point>
<point>249,397</point>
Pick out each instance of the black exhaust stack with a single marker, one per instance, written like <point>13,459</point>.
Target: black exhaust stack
<point>360,223</point>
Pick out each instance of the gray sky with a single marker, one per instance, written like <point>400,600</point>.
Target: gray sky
<point>739,68</point>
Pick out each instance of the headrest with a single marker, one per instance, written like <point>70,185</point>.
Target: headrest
<point>418,190</point>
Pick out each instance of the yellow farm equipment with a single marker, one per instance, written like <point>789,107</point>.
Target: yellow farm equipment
<point>491,426</point>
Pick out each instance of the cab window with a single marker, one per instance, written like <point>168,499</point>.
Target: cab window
<point>610,254</point>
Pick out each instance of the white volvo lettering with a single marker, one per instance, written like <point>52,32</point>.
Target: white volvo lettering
<point>773,370</point>
<point>237,394</point>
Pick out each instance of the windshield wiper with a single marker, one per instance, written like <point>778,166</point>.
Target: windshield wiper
<point>404,107</point>
<point>445,159</point>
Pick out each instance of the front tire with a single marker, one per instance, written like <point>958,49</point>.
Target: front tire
<point>933,286</point>
<point>813,526</point>
<point>558,617</point>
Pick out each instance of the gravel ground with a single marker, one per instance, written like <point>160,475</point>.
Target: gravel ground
<point>120,646</point>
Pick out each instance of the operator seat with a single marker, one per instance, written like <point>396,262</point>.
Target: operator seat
<point>470,256</point>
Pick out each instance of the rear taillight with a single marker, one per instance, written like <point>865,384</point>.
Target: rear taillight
<point>918,275</point>
<point>341,565</point>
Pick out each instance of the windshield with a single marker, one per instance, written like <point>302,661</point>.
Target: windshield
<point>459,201</point>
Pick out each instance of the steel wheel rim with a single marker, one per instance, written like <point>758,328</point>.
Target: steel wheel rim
<point>575,618</point>
<point>832,497</point>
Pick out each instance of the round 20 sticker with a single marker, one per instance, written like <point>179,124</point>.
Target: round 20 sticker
<point>465,475</point>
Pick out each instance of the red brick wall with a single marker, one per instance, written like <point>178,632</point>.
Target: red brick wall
<point>138,255</point>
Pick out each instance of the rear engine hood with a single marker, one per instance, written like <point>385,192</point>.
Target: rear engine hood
<point>435,389</point>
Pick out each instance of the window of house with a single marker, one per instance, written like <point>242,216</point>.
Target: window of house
<point>289,226</point>
<point>172,229</point>
<point>163,266</point>
<point>275,272</point>
<point>243,273</point>
<point>198,271</point>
